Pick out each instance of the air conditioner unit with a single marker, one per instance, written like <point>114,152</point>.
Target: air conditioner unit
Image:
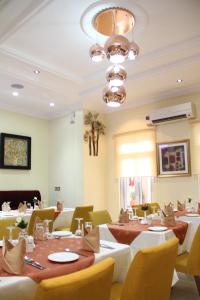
<point>171,113</point>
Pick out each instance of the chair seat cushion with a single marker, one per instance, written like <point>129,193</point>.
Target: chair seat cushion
<point>181,263</point>
<point>116,291</point>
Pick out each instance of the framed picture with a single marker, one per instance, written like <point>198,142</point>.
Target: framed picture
<point>15,151</point>
<point>173,159</point>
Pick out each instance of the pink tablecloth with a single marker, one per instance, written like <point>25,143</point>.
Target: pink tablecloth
<point>44,248</point>
<point>125,233</point>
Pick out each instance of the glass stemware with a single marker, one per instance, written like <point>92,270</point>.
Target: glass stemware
<point>135,211</point>
<point>79,231</point>
<point>47,233</point>
<point>88,227</point>
<point>10,228</point>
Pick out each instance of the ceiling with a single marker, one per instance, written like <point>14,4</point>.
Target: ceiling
<point>47,35</point>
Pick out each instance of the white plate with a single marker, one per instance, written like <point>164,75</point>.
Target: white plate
<point>63,257</point>
<point>192,215</point>
<point>61,233</point>
<point>157,228</point>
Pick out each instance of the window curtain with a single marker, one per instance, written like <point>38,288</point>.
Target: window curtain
<point>135,153</point>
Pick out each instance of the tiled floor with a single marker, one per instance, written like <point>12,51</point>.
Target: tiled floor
<point>185,289</point>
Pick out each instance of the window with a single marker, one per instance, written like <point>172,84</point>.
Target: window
<point>135,190</point>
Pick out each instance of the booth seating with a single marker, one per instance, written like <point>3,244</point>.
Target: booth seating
<point>15,197</point>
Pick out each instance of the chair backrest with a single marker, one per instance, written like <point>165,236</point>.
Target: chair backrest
<point>100,217</point>
<point>193,264</point>
<point>4,232</point>
<point>80,212</point>
<point>150,274</point>
<point>43,214</point>
<point>154,206</point>
<point>88,284</point>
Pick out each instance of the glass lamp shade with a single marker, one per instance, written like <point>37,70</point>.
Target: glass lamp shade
<point>117,48</point>
<point>97,53</point>
<point>133,51</point>
<point>114,96</point>
<point>116,75</point>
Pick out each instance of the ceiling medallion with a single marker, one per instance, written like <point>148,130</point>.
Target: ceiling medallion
<point>114,22</point>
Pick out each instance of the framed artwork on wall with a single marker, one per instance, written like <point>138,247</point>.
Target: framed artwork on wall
<point>15,151</point>
<point>173,159</point>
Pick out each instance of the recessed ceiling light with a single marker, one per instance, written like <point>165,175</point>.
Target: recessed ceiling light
<point>179,80</point>
<point>36,72</point>
<point>15,94</point>
<point>51,104</point>
<point>17,86</point>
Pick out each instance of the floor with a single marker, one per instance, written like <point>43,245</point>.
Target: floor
<point>185,289</point>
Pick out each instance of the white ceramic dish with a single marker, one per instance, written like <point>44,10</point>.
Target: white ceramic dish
<point>62,257</point>
<point>157,228</point>
<point>61,233</point>
<point>192,215</point>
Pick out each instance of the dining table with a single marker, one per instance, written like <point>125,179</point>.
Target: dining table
<point>62,219</point>
<point>47,253</point>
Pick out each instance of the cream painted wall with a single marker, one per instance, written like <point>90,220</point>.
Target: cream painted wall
<point>95,174</point>
<point>37,177</point>
<point>164,189</point>
<point>66,160</point>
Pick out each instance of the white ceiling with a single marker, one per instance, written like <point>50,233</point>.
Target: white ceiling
<point>47,35</point>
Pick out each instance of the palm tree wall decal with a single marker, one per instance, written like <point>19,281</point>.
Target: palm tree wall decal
<point>92,134</point>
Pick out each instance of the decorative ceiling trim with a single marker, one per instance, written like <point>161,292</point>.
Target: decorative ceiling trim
<point>32,10</point>
<point>45,67</point>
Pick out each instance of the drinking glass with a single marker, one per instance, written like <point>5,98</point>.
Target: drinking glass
<point>130,213</point>
<point>135,211</point>
<point>88,226</point>
<point>78,231</point>
<point>10,228</point>
<point>47,233</point>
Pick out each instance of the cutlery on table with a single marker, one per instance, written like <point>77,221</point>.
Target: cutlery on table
<point>106,246</point>
<point>30,261</point>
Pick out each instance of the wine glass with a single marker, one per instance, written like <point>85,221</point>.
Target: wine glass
<point>47,233</point>
<point>78,231</point>
<point>10,228</point>
<point>88,226</point>
<point>135,211</point>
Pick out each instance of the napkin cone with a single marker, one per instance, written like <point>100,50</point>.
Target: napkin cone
<point>124,216</point>
<point>168,209</point>
<point>59,206</point>
<point>13,257</point>
<point>39,229</point>
<point>168,218</point>
<point>40,204</point>
<point>198,209</point>
<point>180,206</point>
<point>91,242</point>
<point>22,207</point>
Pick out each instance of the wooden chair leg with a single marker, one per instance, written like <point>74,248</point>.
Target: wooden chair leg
<point>197,280</point>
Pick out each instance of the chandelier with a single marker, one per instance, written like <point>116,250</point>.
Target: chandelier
<point>114,22</point>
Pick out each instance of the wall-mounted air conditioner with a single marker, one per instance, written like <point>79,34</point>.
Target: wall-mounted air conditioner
<point>171,113</point>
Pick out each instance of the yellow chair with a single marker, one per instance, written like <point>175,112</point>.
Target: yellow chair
<point>189,262</point>
<point>80,212</point>
<point>100,217</point>
<point>43,214</point>
<point>93,283</point>
<point>150,210</point>
<point>4,232</point>
<point>154,206</point>
<point>150,274</point>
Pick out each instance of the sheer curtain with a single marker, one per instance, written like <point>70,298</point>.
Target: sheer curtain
<point>135,165</point>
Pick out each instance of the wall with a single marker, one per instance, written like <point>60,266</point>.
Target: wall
<point>37,177</point>
<point>66,160</point>
<point>164,189</point>
<point>95,174</point>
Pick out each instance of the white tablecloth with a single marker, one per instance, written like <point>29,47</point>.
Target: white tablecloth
<point>62,220</point>
<point>143,240</point>
<point>24,288</point>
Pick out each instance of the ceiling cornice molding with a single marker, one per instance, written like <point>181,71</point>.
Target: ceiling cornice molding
<point>43,67</point>
<point>32,10</point>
